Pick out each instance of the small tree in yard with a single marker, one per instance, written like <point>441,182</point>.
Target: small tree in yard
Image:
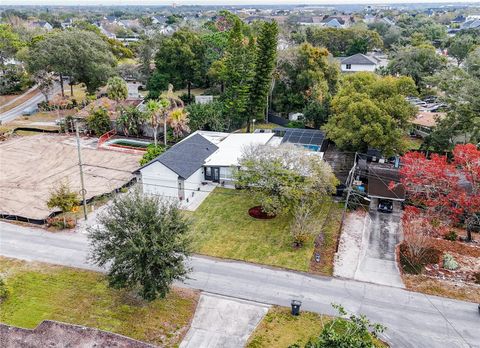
<point>143,240</point>
<point>98,122</point>
<point>287,179</point>
<point>63,198</point>
<point>130,120</point>
<point>152,152</point>
<point>448,191</point>
<point>117,89</point>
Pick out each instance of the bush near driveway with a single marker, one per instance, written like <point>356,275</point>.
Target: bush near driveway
<point>223,228</point>
<point>39,291</point>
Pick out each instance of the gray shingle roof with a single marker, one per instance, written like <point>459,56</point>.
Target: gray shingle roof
<point>359,59</point>
<point>187,156</point>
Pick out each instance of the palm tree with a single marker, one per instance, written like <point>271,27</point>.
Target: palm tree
<point>178,120</point>
<point>158,110</point>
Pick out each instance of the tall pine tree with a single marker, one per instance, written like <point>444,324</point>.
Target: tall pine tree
<point>240,70</point>
<point>265,60</point>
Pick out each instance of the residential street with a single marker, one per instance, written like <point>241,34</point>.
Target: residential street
<point>17,111</point>
<point>412,319</point>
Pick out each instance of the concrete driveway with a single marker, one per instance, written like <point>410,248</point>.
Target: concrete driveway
<point>377,262</point>
<point>223,322</point>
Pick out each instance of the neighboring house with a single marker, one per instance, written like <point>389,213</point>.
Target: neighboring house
<point>369,18</point>
<point>470,24</point>
<point>336,22</point>
<point>388,21</point>
<point>129,23</point>
<point>110,19</point>
<point>358,62</point>
<point>379,179</point>
<point>43,25</point>
<point>159,20</point>
<point>67,23</point>
<point>424,122</point>
<point>107,33</point>
<point>168,30</point>
<point>310,21</point>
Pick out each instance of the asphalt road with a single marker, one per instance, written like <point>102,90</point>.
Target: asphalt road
<point>17,111</point>
<point>412,319</point>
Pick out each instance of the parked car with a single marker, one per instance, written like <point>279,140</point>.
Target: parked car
<point>29,111</point>
<point>385,206</point>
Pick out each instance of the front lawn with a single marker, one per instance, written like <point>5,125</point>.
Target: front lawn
<point>281,329</point>
<point>223,228</point>
<point>40,291</point>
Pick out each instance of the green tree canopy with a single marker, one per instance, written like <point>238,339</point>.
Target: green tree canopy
<point>305,74</point>
<point>418,62</point>
<point>117,88</point>
<point>343,42</point>
<point>284,178</point>
<point>208,116</point>
<point>370,111</point>
<point>143,242</point>
<point>81,55</point>
<point>180,60</point>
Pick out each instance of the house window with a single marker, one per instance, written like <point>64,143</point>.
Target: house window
<point>348,67</point>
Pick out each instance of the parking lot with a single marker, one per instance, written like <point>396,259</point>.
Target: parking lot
<point>32,166</point>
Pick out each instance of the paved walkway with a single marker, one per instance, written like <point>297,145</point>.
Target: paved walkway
<point>223,322</point>
<point>377,262</point>
<point>413,319</point>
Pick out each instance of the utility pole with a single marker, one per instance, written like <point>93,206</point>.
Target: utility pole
<point>83,191</point>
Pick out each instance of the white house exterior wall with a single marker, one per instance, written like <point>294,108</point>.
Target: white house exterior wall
<point>194,182</point>
<point>358,67</point>
<point>159,180</point>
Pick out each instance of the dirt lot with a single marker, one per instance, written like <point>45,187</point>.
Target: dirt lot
<point>32,166</point>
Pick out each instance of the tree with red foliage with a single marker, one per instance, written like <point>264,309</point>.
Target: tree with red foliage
<point>448,191</point>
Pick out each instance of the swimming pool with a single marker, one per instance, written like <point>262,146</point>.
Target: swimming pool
<point>140,144</point>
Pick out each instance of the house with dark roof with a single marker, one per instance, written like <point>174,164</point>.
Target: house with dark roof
<point>179,170</point>
<point>358,62</point>
<point>202,157</point>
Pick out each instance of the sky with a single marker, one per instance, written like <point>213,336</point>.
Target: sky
<point>211,2</point>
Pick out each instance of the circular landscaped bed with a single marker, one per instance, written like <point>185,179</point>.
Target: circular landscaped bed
<point>258,213</point>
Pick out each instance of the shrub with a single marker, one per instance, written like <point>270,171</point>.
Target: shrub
<point>451,236</point>
<point>152,152</point>
<point>449,262</point>
<point>3,290</point>
<point>98,122</point>
<point>184,97</point>
<point>414,259</point>
<point>296,124</point>
<point>61,223</point>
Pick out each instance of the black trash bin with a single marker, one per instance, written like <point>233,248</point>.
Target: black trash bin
<point>296,307</point>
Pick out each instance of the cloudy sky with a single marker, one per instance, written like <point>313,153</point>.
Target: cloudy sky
<point>209,2</point>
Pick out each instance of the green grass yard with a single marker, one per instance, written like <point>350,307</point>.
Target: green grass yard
<point>280,329</point>
<point>40,291</point>
<point>223,228</point>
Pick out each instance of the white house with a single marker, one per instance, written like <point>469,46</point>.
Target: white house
<point>209,157</point>
<point>199,158</point>
<point>178,171</point>
<point>358,62</point>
